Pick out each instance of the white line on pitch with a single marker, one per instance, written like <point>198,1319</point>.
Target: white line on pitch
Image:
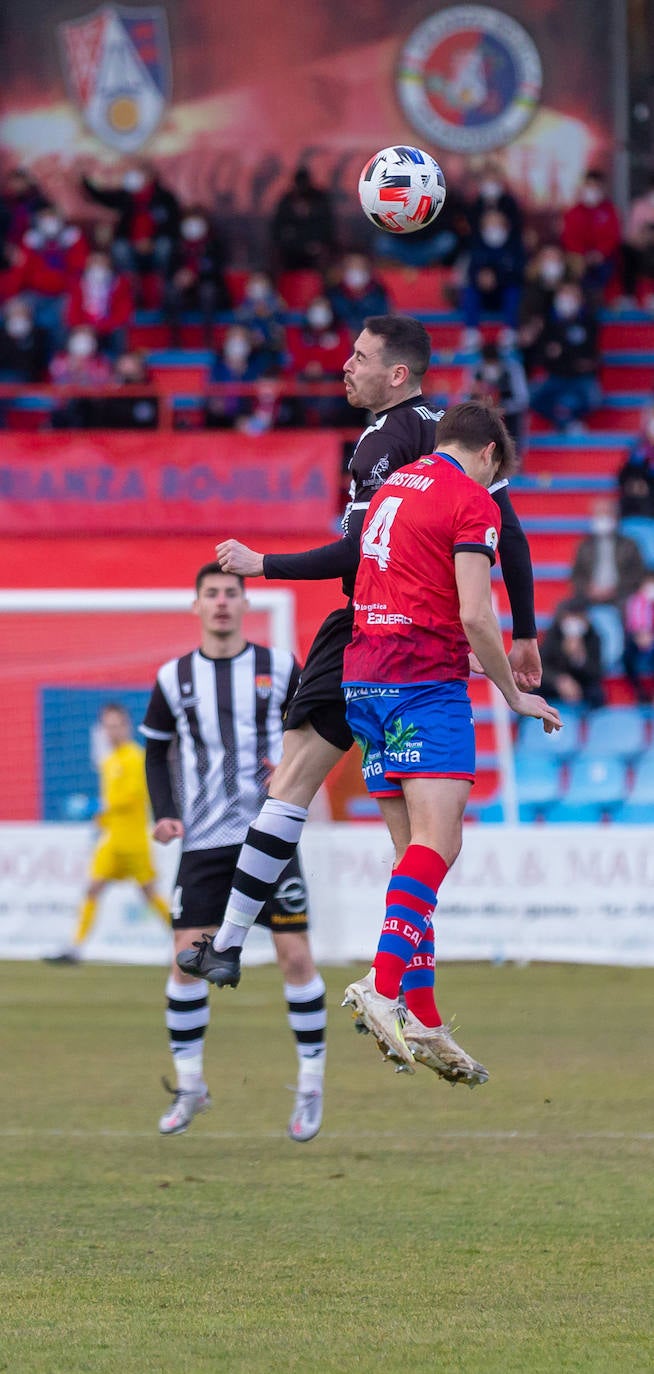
<point>9,1133</point>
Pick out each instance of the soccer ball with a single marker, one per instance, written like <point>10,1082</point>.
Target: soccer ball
<point>401,190</point>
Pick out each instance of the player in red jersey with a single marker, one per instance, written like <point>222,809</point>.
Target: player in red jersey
<point>422,601</point>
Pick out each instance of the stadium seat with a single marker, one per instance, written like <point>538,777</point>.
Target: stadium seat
<point>532,739</point>
<point>616,732</point>
<point>608,623</point>
<point>633,813</point>
<point>641,530</point>
<point>298,288</point>
<point>538,784</point>
<point>596,786</point>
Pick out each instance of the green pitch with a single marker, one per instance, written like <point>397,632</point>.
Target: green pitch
<point>427,1230</point>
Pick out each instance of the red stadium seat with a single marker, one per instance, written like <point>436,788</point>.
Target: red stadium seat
<point>299,287</point>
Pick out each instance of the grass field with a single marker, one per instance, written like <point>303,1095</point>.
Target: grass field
<point>425,1229</point>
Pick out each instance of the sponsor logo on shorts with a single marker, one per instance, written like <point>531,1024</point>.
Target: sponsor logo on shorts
<point>291,896</point>
<point>401,743</point>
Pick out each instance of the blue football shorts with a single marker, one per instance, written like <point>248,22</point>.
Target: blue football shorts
<point>403,731</point>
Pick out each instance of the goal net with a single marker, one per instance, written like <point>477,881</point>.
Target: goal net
<point>67,653</point>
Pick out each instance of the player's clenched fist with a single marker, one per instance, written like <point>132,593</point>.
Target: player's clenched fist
<point>168,829</point>
<point>238,558</point>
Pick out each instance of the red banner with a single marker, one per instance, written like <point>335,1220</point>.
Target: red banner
<point>173,484</point>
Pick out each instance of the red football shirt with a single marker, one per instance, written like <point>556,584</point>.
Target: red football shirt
<point>407,626</point>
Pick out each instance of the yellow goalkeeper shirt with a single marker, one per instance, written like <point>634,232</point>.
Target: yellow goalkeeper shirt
<point>125,803</point>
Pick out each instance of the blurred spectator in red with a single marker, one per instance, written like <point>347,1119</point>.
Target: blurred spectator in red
<point>608,566</point>
<point>500,380</point>
<point>571,655</point>
<point>636,476</point>
<point>494,279</point>
<point>302,231</point>
<point>20,201</point>
<point>262,313</point>
<point>317,350</point>
<point>147,226</point>
<point>102,298</point>
<point>638,249</point>
<point>493,194</point>
<point>79,364</point>
<point>591,232</point>
<point>54,256</point>
<point>239,360</point>
<point>196,279</point>
<point>570,357</point>
<point>544,273</point>
<point>639,638</point>
<point>357,293</point>
<point>23,345</point>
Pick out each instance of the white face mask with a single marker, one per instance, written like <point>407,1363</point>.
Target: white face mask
<point>490,190</point>
<point>573,627</point>
<point>134,180</point>
<point>495,237</point>
<point>81,346</point>
<point>491,372</point>
<point>592,195</point>
<point>603,524</point>
<point>566,306</point>
<point>356,278</point>
<point>648,591</point>
<point>194,229</point>
<point>319,317</point>
<point>551,271</point>
<point>50,226</point>
<point>18,326</point>
<point>98,275</point>
<point>236,351</point>
<point>257,290</point>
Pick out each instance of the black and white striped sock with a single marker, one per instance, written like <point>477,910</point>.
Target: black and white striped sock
<point>268,847</point>
<point>187,1018</point>
<point>307,1018</point>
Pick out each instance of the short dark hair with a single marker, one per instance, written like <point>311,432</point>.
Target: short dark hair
<point>116,706</point>
<point>214,570</point>
<point>405,341</point>
<point>472,424</point>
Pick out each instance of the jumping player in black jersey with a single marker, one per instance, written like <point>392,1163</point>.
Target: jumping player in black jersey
<point>213,722</point>
<point>384,374</point>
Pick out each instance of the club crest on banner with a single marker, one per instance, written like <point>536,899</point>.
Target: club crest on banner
<point>117,67</point>
<point>469,78</point>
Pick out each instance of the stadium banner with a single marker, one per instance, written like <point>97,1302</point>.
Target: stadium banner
<point>205,483</point>
<point>227,100</point>
<point>576,894</point>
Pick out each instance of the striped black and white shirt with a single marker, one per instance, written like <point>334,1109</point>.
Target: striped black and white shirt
<point>220,723</point>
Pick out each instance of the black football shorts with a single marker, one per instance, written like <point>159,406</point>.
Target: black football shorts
<point>319,697</point>
<point>203,883</point>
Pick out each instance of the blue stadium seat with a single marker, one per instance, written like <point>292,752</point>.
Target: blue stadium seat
<point>634,813</point>
<point>642,791</point>
<point>617,732</point>
<point>641,529</point>
<point>538,782</point>
<point>562,744</point>
<point>574,813</point>
<point>596,786</point>
<point>608,623</point>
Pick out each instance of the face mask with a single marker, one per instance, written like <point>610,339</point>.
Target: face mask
<point>648,591</point>
<point>194,229</point>
<point>319,317</point>
<point>491,372</point>
<point>356,278</point>
<point>81,346</point>
<point>603,524</point>
<point>573,627</point>
<point>98,276</point>
<point>50,226</point>
<point>18,326</point>
<point>134,181</point>
<point>566,306</point>
<point>551,271</point>
<point>592,195</point>
<point>495,238</point>
<point>490,190</point>
<point>257,291</point>
<point>236,351</point>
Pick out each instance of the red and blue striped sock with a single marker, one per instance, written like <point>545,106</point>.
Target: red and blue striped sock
<point>419,981</point>
<point>410,900</point>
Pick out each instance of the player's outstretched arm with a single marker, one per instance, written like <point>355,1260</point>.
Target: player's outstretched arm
<point>484,637</point>
<point>239,559</point>
<point>338,559</point>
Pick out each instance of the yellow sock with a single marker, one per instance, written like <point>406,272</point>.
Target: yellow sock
<point>161,907</point>
<point>85,919</point>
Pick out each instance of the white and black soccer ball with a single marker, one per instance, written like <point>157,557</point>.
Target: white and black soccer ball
<point>401,190</point>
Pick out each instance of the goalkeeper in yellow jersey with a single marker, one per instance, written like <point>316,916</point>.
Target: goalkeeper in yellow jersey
<point>123,852</point>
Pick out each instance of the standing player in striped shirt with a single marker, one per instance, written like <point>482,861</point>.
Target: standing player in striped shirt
<point>213,727</point>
